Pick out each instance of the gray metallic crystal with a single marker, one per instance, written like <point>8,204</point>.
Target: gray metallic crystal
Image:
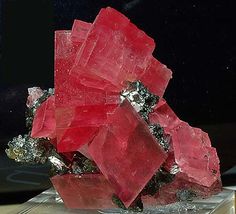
<point>27,149</point>
<point>140,98</point>
<point>58,166</point>
<point>158,132</point>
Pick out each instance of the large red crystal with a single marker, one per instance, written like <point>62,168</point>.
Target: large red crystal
<point>126,153</point>
<point>79,110</point>
<point>115,49</point>
<point>91,191</point>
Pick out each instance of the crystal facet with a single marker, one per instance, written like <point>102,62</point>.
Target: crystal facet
<point>115,49</point>
<point>44,123</point>
<point>80,110</point>
<point>156,77</point>
<point>80,31</point>
<point>84,192</point>
<point>126,153</point>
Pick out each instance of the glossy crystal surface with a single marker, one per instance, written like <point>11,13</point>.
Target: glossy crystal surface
<point>126,153</point>
<point>44,123</point>
<point>84,192</point>
<point>191,150</point>
<point>96,113</point>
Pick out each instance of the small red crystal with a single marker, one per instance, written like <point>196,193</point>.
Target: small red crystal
<point>44,123</point>
<point>164,116</point>
<point>156,77</point>
<point>80,31</point>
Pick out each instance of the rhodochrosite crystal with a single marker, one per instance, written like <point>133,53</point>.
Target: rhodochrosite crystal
<point>127,153</point>
<point>191,148</point>
<point>44,120</point>
<point>115,49</point>
<point>86,192</point>
<point>115,136</point>
<point>80,110</point>
<point>80,30</point>
<point>156,77</point>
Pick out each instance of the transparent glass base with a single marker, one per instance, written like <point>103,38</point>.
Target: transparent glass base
<point>49,202</point>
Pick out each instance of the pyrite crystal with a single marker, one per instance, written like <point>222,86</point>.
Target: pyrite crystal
<point>114,139</point>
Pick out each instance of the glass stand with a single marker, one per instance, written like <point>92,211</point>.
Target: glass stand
<point>49,202</point>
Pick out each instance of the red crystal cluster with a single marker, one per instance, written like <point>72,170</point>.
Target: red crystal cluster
<point>93,64</point>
